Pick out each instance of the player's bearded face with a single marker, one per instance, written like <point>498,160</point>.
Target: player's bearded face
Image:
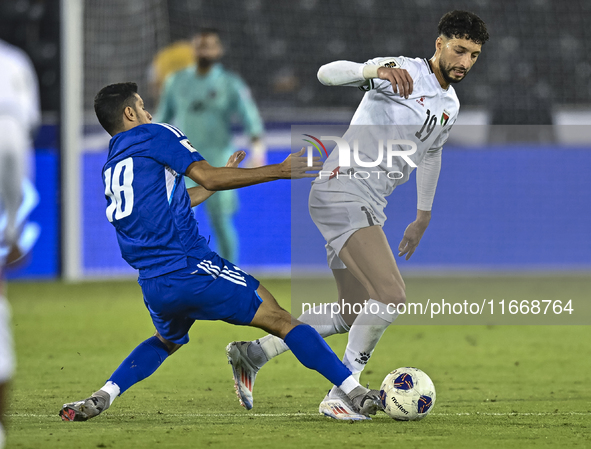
<point>451,73</point>
<point>457,58</point>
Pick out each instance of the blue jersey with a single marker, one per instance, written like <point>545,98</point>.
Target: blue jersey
<point>146,199</point>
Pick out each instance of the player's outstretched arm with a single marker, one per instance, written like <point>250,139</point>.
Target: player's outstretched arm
<point>199,194</point>
<point>347,73</point>
<point>295,166</point>
<point>342,73</point>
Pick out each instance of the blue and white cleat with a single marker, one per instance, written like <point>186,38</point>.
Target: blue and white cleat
<point>243,371</point>
<point>338,405</point>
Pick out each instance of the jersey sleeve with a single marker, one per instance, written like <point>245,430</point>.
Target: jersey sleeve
<point>171,147</point>
<point>342,73</point>
<point>441,139</point>
<point>428,171</point>
<point>22,90</point>
<point>31,93</point>
<point>427,176</point>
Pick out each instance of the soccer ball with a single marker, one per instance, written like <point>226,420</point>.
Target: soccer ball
<point>407,394</point>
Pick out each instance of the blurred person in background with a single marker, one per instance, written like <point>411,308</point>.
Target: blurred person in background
<point>203,99</point>
<point>172,58</point>
<point>19,118</point>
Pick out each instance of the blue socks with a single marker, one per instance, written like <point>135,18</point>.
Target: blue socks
<point>141,363</point>
<point>313,352</point>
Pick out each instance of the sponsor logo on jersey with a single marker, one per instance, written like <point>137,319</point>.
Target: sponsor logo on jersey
<point>188,146</point>
<point>197,106</point>
<point>444,118</point>
<point>421,101</point>
<point>392,64</point>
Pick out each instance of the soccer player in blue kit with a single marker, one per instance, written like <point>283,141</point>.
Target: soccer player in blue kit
<point>182,280</point>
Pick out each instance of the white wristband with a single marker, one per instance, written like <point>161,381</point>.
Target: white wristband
<point>370,71</point>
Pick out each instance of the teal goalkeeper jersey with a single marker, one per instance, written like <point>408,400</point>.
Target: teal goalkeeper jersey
<point>203,106</point>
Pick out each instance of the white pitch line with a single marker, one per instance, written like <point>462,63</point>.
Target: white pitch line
<point>178,415</point>
<point>515,414</point>
<point>290,415</point>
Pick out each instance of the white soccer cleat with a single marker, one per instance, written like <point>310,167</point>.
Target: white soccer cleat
<point>243,370</point>
<point>365,401</point>
<point>86,409</point>
<point>337,405</point>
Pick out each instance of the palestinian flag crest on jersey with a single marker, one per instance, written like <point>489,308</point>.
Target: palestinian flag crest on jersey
<point>444,118</point>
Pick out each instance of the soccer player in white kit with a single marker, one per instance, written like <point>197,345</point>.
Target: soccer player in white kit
<point>409,99</point>
<point>19,117</point>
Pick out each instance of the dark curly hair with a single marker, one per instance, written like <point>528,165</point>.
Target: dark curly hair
<point>463,25</point>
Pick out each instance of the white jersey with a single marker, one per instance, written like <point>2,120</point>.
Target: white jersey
<point>424,118</point>
<point>19,116</point>
<point>19,92</point>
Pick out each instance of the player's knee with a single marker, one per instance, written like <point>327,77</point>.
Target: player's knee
<point>393,294</point>
<point>273,319</point>
<point>399,298</point>
<point>280,323</point>
<point>171,347</point>
<point>394,299</point>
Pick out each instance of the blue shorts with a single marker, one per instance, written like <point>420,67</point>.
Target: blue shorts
<point>207,289</point>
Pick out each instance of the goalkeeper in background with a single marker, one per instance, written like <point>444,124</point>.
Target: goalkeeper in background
<point>202,100</point>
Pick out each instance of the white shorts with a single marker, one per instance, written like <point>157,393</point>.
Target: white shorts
<point>339,208</point>
<point>7,360</point>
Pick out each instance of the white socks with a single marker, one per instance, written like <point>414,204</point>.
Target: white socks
<point>366,331</point>
<point>349,384</point>
<point>320,318</point>
<point>271,346</point>
<point>113,391</point>
<point>364,334</point>
<point>324,320</point>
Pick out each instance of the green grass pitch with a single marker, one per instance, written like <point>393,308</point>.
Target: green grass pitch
<point>497,386</point>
